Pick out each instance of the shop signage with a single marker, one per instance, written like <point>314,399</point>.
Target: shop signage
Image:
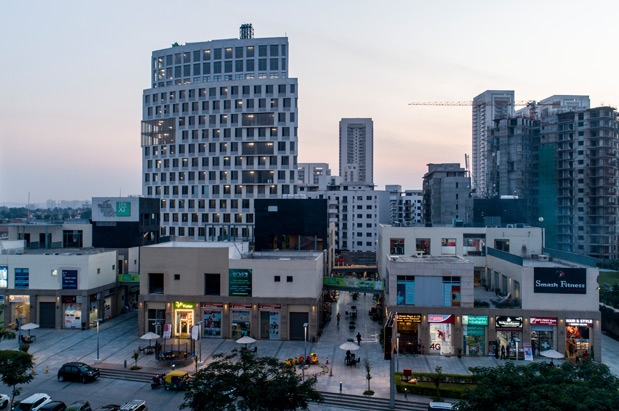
<point>211,305</point>
<point>19,299</point>
<point>560,280</point>
<point>69,279</point>
<point>69,299</point>
<point>270,306</point>
<point>474,320</point>
<point>414,318</point>
<point>352,283</point>
<point>579,322</point>
<point>441,318</point>
<point>4,276</point>
<point>543,321</point>
<point>473,330</point>
<point>22,278</point>
<point>240,284</point>
<point>240,305</point>
<point>128,278</point>
<point>183,305</point>
<point>503,321</point>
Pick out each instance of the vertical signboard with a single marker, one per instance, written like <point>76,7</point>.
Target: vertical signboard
<point>69,279</point>
<point>240,284</point>
<point>22,278</point>
<point>4,276</point>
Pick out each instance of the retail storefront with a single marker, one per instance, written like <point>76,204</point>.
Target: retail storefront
<point>240,320</point>
<point>72,310</point>
<point>509,334</point>
<point>93,315</point>
<point>407,327</point>
<point>20,307</point>
<point>578,334</point>
<point>543,332</point>
<point>211,315</point>
<point>441,335</point>
<point>107,304</point>
<point>183,318</point>
<point>474,334</point>
<point>269,321</point>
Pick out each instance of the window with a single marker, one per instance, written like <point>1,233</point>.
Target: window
<point>397,246</point>
<point>448,246</point>
<point>422,245</point>
<point>212,284</point>
<point>502,245</point>
<point>156,319</point>
<point>474,245</point>
<point>405,290</point>
<point>451,291</point>
<point>288,278</point>
<point>177,277</point>
<point>155,283</point>
<point>277,279</point>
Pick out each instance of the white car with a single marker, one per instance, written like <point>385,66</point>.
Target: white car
<point>4,400</point>
<point>33,403</point>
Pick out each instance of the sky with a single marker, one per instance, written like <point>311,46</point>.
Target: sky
<point>73,73</point>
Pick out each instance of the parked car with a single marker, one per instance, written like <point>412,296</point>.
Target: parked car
<point>33,403</point>
<point>77,371</point>
<point>54,406</point>
<point>4,400</point>
<point>135,405</point>
<point>79,406</point>
<point>109,407</point>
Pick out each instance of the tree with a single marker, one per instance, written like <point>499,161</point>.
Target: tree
<point>15,369</point>
<point>135,356</point>
<point>368,376</point>
<point>437,379</point>
<point>586,386</point>
<point>6,334</point>
<point>243,381</point>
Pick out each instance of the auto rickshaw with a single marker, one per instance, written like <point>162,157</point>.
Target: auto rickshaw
<point>176,380</point>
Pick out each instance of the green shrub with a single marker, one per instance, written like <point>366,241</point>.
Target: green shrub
<point>449,390</point>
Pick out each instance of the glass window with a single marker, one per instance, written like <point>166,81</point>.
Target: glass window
<point>405,290</point>
<point>448,246</point>
<point>212,284</point>
<point>228,53</point>
<point>451,291</point>
<point>262,51</point>
<point>274,50</point>
<point>217,54</point>
<point>397,246</point>
<point>422,245</point>
<point>502,245</point>
<point>474,245</point>
<point>206,55</point>
<point>250,65</point>
<point>274,64</point>
<point>250,51</point>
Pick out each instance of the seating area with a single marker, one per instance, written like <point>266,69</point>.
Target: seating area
<point>352,360</point>
<point>28,339</point>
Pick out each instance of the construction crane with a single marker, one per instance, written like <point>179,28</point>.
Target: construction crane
<point>532,104</point>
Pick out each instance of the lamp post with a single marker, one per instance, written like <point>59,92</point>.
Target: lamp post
<point>541,220</point>
<point>305,343</point>
<point>19,331</point>
<point>397,354</point>
<point>97,361</point>
<point>199,324</point>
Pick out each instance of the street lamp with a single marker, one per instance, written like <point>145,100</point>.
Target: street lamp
<point>541,220</point>
<point>305,343</point>
<point>19,331</point>
<point>199,324</point>
<point>97,361</point>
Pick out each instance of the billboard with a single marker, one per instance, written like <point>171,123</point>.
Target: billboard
<point>115,209</point>
<point>4,276</point>
<point>556,280</point>
<point>239,283</point>
<point>347,282</point>
<point>69,279</point>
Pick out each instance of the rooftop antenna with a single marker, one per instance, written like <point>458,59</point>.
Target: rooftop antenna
<point>246,31</point>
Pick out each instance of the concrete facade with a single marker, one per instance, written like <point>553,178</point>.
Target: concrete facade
<point>446,195</point>
<point>357,150</point>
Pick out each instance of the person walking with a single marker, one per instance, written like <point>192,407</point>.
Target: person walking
<point>359,339</point>
<point>338,318</point>
<point>502,352</point>
<point>507,351</point>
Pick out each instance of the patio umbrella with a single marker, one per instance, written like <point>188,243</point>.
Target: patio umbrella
<point>349,346</point>
<point>552,354</point>
<point>245,340</point>
<point>149,336</point>
<point>29,326</point>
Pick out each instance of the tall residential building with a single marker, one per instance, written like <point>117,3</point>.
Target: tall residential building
<point>579,176</point>
<point>446,195</point>
<point>219,129</point>
<point>357,150</point>
<point>487,107</point>
<point>405,207</point>
<point>309,174</point>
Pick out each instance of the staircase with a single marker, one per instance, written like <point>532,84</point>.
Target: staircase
<point>357,402</point>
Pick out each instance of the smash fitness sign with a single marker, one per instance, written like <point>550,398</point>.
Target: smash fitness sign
<point>560,280</point>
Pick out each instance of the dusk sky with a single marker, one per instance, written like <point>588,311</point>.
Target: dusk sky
<point>73,75</point>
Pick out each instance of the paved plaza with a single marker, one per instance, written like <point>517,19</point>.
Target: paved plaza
<point>118,341</point>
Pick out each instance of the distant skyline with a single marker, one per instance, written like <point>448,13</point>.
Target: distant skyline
<point>73,74</point>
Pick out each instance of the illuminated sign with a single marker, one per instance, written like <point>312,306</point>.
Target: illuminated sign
<point>557,280</point>
<point>19,299</point>
<point>211,305</point>
<point>503,321</point>
<point>441,318</point>
<point>579,322</point>
<point>543,321</point>
<point>240,284</point>
<point>4,276</point>
<point>183,305</point>
<point>414,318</point>
<point>474,320</point>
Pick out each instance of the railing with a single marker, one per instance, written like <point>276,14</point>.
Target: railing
<point>512,258</point>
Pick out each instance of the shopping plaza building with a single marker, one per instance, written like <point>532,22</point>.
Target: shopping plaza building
<point>448,293</point>
<point>230,292</point>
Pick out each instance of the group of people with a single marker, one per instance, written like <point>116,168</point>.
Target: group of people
<point>505,351</point>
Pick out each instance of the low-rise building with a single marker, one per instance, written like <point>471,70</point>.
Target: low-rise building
<point>268,295</point>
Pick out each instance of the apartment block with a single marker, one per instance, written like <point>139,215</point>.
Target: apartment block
<point>446,195</point>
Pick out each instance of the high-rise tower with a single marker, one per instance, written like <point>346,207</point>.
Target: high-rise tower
<point>219,129</point>
<point>357,150</point>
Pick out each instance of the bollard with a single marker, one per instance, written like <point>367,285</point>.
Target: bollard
<point>340,387</point>
<point>46,370</point>
<point>125,363</point>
